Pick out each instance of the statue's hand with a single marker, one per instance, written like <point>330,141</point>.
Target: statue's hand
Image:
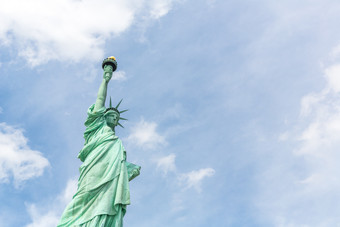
<point>108,72</point>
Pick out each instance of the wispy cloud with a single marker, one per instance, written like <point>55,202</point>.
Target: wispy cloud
<point>160,8</point>
<point>119,75</point>
<point>49,216</point>
<point>332,75</point>
<point>144,135</point>
<point>70,30</point>
<point>194,178</point>
<point>316,140</point>
<point>17,159</point>
<point>323,112</point>
<point>166,164</point>
<point>48,219</point>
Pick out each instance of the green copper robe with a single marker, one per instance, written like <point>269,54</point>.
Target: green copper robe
<point>103,189</point>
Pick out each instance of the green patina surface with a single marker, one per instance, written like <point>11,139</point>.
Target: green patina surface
<point>103,186</point>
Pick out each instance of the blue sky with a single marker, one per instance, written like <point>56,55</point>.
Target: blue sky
<point>234,108</point>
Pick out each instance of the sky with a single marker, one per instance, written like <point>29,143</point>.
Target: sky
<point>234,108</point>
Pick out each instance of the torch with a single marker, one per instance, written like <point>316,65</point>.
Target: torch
<point>110,61</point>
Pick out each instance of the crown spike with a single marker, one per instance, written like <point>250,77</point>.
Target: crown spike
<point>119,103</point>
<point>120,125</point>
<point>122,118</point>
<point>122,111</point>
<point>110,102</point>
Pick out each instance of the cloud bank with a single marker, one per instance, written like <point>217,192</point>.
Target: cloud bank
<point>17,159</point>
<point>41,31</point>
<point>305,190</point>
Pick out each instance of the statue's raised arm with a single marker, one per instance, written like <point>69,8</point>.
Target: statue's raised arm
<point>109,65</point>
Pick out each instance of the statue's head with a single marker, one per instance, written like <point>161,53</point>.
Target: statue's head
<point>112,118</point>
<point>112,115</point>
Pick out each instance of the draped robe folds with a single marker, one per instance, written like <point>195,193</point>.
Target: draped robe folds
<point>103,189</point>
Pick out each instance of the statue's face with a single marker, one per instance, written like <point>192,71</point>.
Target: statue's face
<point>112,118</point>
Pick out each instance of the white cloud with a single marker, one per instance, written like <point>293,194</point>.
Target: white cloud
<point>119,75</point>
<point>49,217</point>
<point>144,135</point>
<point>68,30</point>
<point>194,178</point>
<point>335,52</point>
<point>191,179</point>
<point>47,220</point>
<point>307,102</point>
<point>159,8</point>
<point>310,174</point>
<point>167,163</point>
<point>323,112</point>
<point>333,77</point>
<point>17,160</point>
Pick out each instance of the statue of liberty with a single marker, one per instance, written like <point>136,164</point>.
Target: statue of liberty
<point>103,190</point>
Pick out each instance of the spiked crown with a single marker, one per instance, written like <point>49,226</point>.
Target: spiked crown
<point>117,111</point>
